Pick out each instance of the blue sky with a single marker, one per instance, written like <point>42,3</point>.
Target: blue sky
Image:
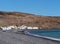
<point>39,7</point>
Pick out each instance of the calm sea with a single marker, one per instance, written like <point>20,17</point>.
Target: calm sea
<point>55,33</point>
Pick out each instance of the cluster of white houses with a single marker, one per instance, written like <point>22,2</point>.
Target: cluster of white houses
<point>17,27</point>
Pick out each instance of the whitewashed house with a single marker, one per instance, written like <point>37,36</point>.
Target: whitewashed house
<point>4,28</point>
<point>29,27</point>
<point>12,26</point>
<point>8,27</point>
<point>21,28</point>
<point>35,28</point>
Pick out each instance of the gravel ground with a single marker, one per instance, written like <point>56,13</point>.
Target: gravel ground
<point>19,38</point>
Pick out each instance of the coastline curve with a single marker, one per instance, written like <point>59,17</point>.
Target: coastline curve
<point>40,36</point>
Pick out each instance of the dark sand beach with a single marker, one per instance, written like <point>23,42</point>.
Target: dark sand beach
<point>19,38</point>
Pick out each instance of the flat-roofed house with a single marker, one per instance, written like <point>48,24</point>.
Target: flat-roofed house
<point>35,28</point>
<point>4,28</point>
<point>22,28</point>
<point>29,27</point>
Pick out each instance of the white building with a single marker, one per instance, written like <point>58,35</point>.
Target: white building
<point>22,27</point>
<point>8,27</point>
<point>3,28</point>
<point>19,28</point>
<point>35,28</point>
<point>29,27</point>
<point>13,26</point>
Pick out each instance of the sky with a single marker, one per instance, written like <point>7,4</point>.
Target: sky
<point>38,7</point>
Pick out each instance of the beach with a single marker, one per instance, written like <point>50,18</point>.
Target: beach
<point>20,38</point>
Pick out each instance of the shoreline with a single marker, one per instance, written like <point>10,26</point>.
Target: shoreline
<point>20,38</point>
<point>40,36</point>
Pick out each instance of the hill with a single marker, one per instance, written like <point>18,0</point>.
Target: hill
<point>19,18</point>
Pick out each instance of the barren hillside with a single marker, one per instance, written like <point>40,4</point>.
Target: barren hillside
<point>19,18</point>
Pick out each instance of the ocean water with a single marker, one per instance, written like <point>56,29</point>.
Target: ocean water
<point>48,33</point>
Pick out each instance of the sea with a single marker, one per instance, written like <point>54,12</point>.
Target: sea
<point>54,33</point>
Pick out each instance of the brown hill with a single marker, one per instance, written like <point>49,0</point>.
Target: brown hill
<point>19,18</point>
